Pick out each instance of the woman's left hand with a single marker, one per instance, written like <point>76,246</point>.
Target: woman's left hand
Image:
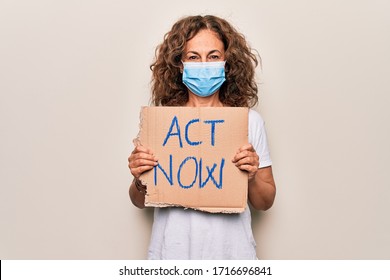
<point>247,159</point>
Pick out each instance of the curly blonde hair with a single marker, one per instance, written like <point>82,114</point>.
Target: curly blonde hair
<point>239,89</point>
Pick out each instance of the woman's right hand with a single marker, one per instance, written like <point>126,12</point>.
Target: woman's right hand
<point>141,159</point>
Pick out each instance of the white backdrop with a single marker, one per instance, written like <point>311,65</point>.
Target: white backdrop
<point>73,75</point>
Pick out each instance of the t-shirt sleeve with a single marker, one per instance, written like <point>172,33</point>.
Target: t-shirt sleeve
<point>258,138</point>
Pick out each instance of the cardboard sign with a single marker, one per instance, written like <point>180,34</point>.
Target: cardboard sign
<point>195,148</point>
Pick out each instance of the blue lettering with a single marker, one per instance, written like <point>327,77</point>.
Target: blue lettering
<point>213,122</point>
<point>169,178</point>
<point>179,171</point>
<point>210,174</point>
<point>219,186</point>
<point>177,133</point>
<point>186,133</point>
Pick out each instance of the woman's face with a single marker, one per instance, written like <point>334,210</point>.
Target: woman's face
<point>204,47</point>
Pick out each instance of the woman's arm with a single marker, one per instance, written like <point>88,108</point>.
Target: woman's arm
<point>140,160</point>
<point>137,195</point>
<point>261,189</point>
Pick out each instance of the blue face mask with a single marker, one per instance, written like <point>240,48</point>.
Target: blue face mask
<point>204,78</point>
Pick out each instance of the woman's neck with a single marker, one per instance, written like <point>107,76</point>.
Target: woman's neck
<point>211,101</point>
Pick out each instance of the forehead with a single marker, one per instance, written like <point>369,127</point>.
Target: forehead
<point>204,40</point>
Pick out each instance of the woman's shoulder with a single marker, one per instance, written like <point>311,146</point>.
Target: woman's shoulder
<point>255,118</point>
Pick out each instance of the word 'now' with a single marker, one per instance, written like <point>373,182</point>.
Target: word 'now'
<point>202,173</point>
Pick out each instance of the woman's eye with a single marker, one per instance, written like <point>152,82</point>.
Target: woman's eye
<point>192,57</point>
<point>214,57</point>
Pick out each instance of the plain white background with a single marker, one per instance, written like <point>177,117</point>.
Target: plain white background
<point>73,75</point>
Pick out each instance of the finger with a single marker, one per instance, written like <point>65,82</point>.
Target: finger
<point>136,172</point>
<point>252,161</point>
<point>142,149</point>
<point>246,147</point>
<point>248,168</point>
<point>243,154</point>
<point>142,162</point>
<point>142,155</point>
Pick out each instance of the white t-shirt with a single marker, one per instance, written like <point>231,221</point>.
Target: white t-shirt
<point>180,233</point>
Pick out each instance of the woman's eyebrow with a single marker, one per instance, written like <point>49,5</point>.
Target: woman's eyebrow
<point>194,52</point>
<point>210,52</point>
<point>213,51</point>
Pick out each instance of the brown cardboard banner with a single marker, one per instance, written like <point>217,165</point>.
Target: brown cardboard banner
<point>195,147</point>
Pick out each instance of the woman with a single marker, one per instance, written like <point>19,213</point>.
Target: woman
<point>204,61</point>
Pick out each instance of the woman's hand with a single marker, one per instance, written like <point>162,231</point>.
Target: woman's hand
<point>261,184</point>
<point>141,159</point>
<point>247,159</point>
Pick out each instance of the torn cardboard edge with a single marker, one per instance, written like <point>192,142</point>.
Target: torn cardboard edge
<point>195,147</point>
<point>203,209</point>
<point>136,140</point>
